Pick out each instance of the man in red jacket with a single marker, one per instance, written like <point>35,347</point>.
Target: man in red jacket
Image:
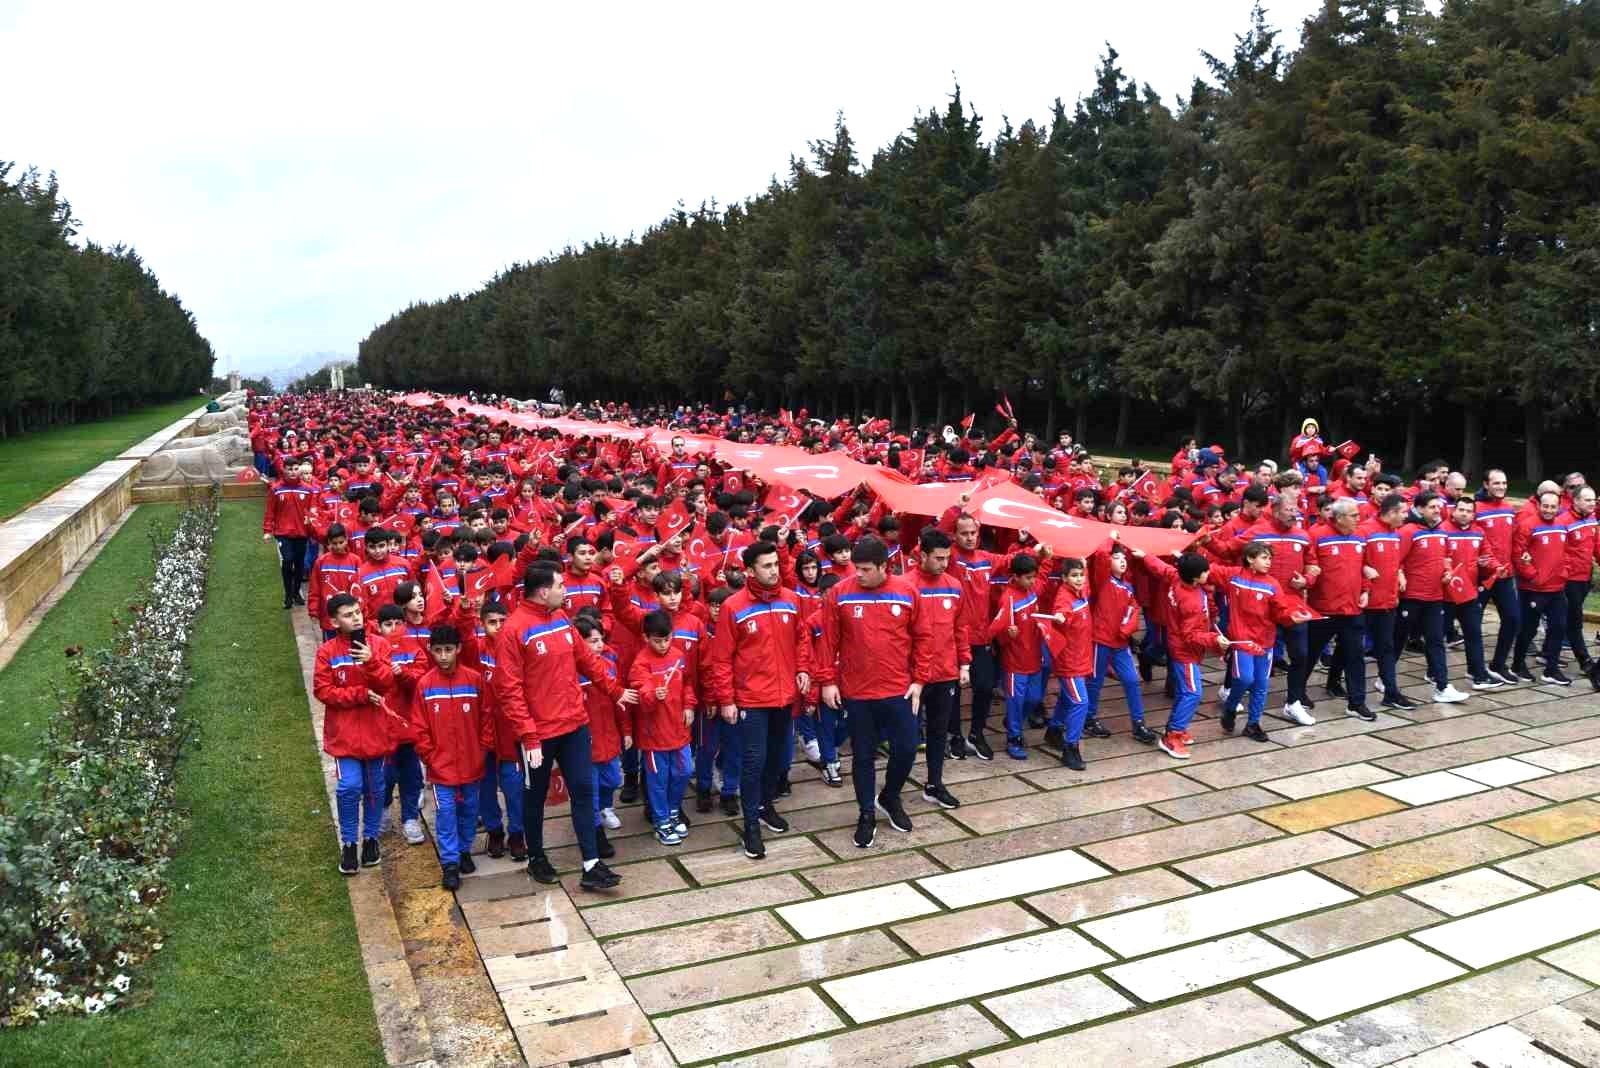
<point>351,678</point>
<point>939,596</point>
<point>1338,551</point>
<point>757,665</point>
<point>1539,554</point>
<point>1496,518</point>
<point>1583,552</point>
<point>289,500</point>
<point>453,731</point>
<point>874,658</point>
<point>539,656</point>
<point>1424,549</point>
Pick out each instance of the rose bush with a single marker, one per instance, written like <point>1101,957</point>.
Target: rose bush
<point>88,826</point>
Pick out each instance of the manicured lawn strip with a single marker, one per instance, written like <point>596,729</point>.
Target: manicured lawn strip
<point>83,617</point>
<point>261,964</point>
<point>35,465</point>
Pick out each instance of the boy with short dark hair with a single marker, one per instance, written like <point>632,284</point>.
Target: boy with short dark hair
<point>452,731</point>
<point>666,710</point>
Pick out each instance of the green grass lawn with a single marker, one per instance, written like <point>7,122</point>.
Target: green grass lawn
<point>261,964</point>
<point>82,618</point>
<point>35,465</point>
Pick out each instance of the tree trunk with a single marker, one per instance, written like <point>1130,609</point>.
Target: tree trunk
<point>1124,423</point>
<point>1200,421</point>
<point>1472,442</point>
<point>1533,433</point>
<point>1241,445</point>
<point>1050,418</point>
<point>1080,423</point>
<point>894,407</point>
<point>939,407</point>
<point>1291,426</point>
<point>1413,429</point>
<point>911,402</point>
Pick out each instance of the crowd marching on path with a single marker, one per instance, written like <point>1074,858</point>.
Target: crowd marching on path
<point>635,600</point>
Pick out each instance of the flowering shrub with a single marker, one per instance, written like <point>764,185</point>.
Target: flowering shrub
<point>87,828</point>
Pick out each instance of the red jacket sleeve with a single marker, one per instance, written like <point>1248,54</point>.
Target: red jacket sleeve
<point>325,688</point>
<point>921,641</point>
<point>716,663</point>
<point>826,666</point>
<point>508,683</point>
<point>593,668</point>
<point>269,519</point>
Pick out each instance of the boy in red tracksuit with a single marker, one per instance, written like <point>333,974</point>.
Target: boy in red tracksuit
<point>610,732</point>
<point>660,675</point>
<point>379,575</point>
<point>289,502</point>
<point>352,678</point>
<point>453,731</point>
<point>1114,609</point>
<point>1467,558</point>
<point>1583,552</point>
<point>1256,608</point>
<point>1021,644</point>
<point>336,571</point>
<point>1071,643</point>
<point>1190,635</point>
<point>502,769</point>
<point>1538,552</point>
<point>939,594</point>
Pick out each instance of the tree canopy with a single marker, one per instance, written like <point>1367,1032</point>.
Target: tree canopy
<point>83,331</point>
<point>1395,228</point>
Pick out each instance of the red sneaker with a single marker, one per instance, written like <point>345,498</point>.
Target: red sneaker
<point>1188,739</point>
<point>1173,744</point>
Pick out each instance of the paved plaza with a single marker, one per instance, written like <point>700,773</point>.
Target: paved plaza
<point>1420,890</point>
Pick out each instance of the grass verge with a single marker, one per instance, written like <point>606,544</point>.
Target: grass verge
<point>261,963</point>
<point>83,617</point>
<point>35,465</point>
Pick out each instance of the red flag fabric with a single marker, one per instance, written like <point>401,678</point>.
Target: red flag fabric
<point>346,512</point>
<point>434,590</point>
<point>785,505</point>
<point>966,420</point>
<point>1289,607</point>
<point>674,518</point>
<point>1010,506</point>
<point>1347,449</point>
<point>248,474</point>
<point>403,523</point>
<point>1004,407</point>
<point>624,551</point>
<point>497,576</point>
<point>784,418</point>
<point>1147,486</point>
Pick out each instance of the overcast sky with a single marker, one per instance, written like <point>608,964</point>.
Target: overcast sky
<point>296,174</point>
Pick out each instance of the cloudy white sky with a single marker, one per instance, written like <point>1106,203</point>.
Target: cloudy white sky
<point>297,173</point>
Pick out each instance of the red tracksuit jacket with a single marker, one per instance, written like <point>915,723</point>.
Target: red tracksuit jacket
<point>1583,546</point>
<point>609,722</point>
<point>451,727</point>
<point>1337,590</point>
<point>658,724</point>
<point>377,582</point>
<point>1497,519</point>
<point>1072,642</point>
<point>287,508</point>
<point>940,599</point>
<point>331,574</point>
<point>1114,603</point>
<point>1190,633</point>
<point>1423,552</point>
<point>539,657</point>
<point>1546,543</point>
<point>353,725</point>
<point>1020,654</point>
<point>875,642</point>
<point>1382,554</point>
<point>758,647</point>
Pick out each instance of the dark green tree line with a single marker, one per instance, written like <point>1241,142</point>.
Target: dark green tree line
<point>84,332</point>
<point>1395,228</point>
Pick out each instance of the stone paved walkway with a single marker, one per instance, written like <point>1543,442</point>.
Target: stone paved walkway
<point>1421,890</point>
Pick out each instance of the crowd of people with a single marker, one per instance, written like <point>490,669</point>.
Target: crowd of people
<point>499,601</point>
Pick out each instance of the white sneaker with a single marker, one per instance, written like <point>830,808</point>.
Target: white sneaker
<point>385,823</point>
<point>609,816</point>
<point>1295,712</point>
<point>413,832</point>
<point>1448,696</point>
<point>813,751</point>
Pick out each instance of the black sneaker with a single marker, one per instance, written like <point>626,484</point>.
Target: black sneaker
<point>771,820</point>
<point>1254,732</point>
<point>1052,737</point>
<point>299,599</point>
<point>497,844</point>
<point>466,865</point>
<point>682,821</point>
<point>1143,734</point>
<point>1554,677</point>
<point>1334,689</point>
<point>866,830</point>
<point>1071,757</point>
<point>730,804</point>
<point>1095,729</point>
<point>540,868</point>
<point>348,864</point>
<point>980,748</point>
<point>958,747</point>
<point>1400,701</point>
<point>517,846</point>
<point>1036,721</point>
<point>753,846</point>
<point>369,852</point>
<point>831,776</point>
<point>891,807</point>
<point>599,877</point>
<point>1361,712</point>
<point>452,878</point>
<point>702,800</point>
<point>602,844</point>
<point>630,787</point>
<point>1229,717</point>
<point>1521,673</point>
<point>784,789</point>
<point>938,795</point>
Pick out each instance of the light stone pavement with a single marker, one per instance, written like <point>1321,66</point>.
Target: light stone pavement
<point>1418,891</point>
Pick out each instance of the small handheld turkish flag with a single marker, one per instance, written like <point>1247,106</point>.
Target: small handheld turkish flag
<point>674,518</point>
<point>434,585</point>
<point>1347,449</point>
<point>248,474</point>
<point>1146,486</point>
<point>497,576</point>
